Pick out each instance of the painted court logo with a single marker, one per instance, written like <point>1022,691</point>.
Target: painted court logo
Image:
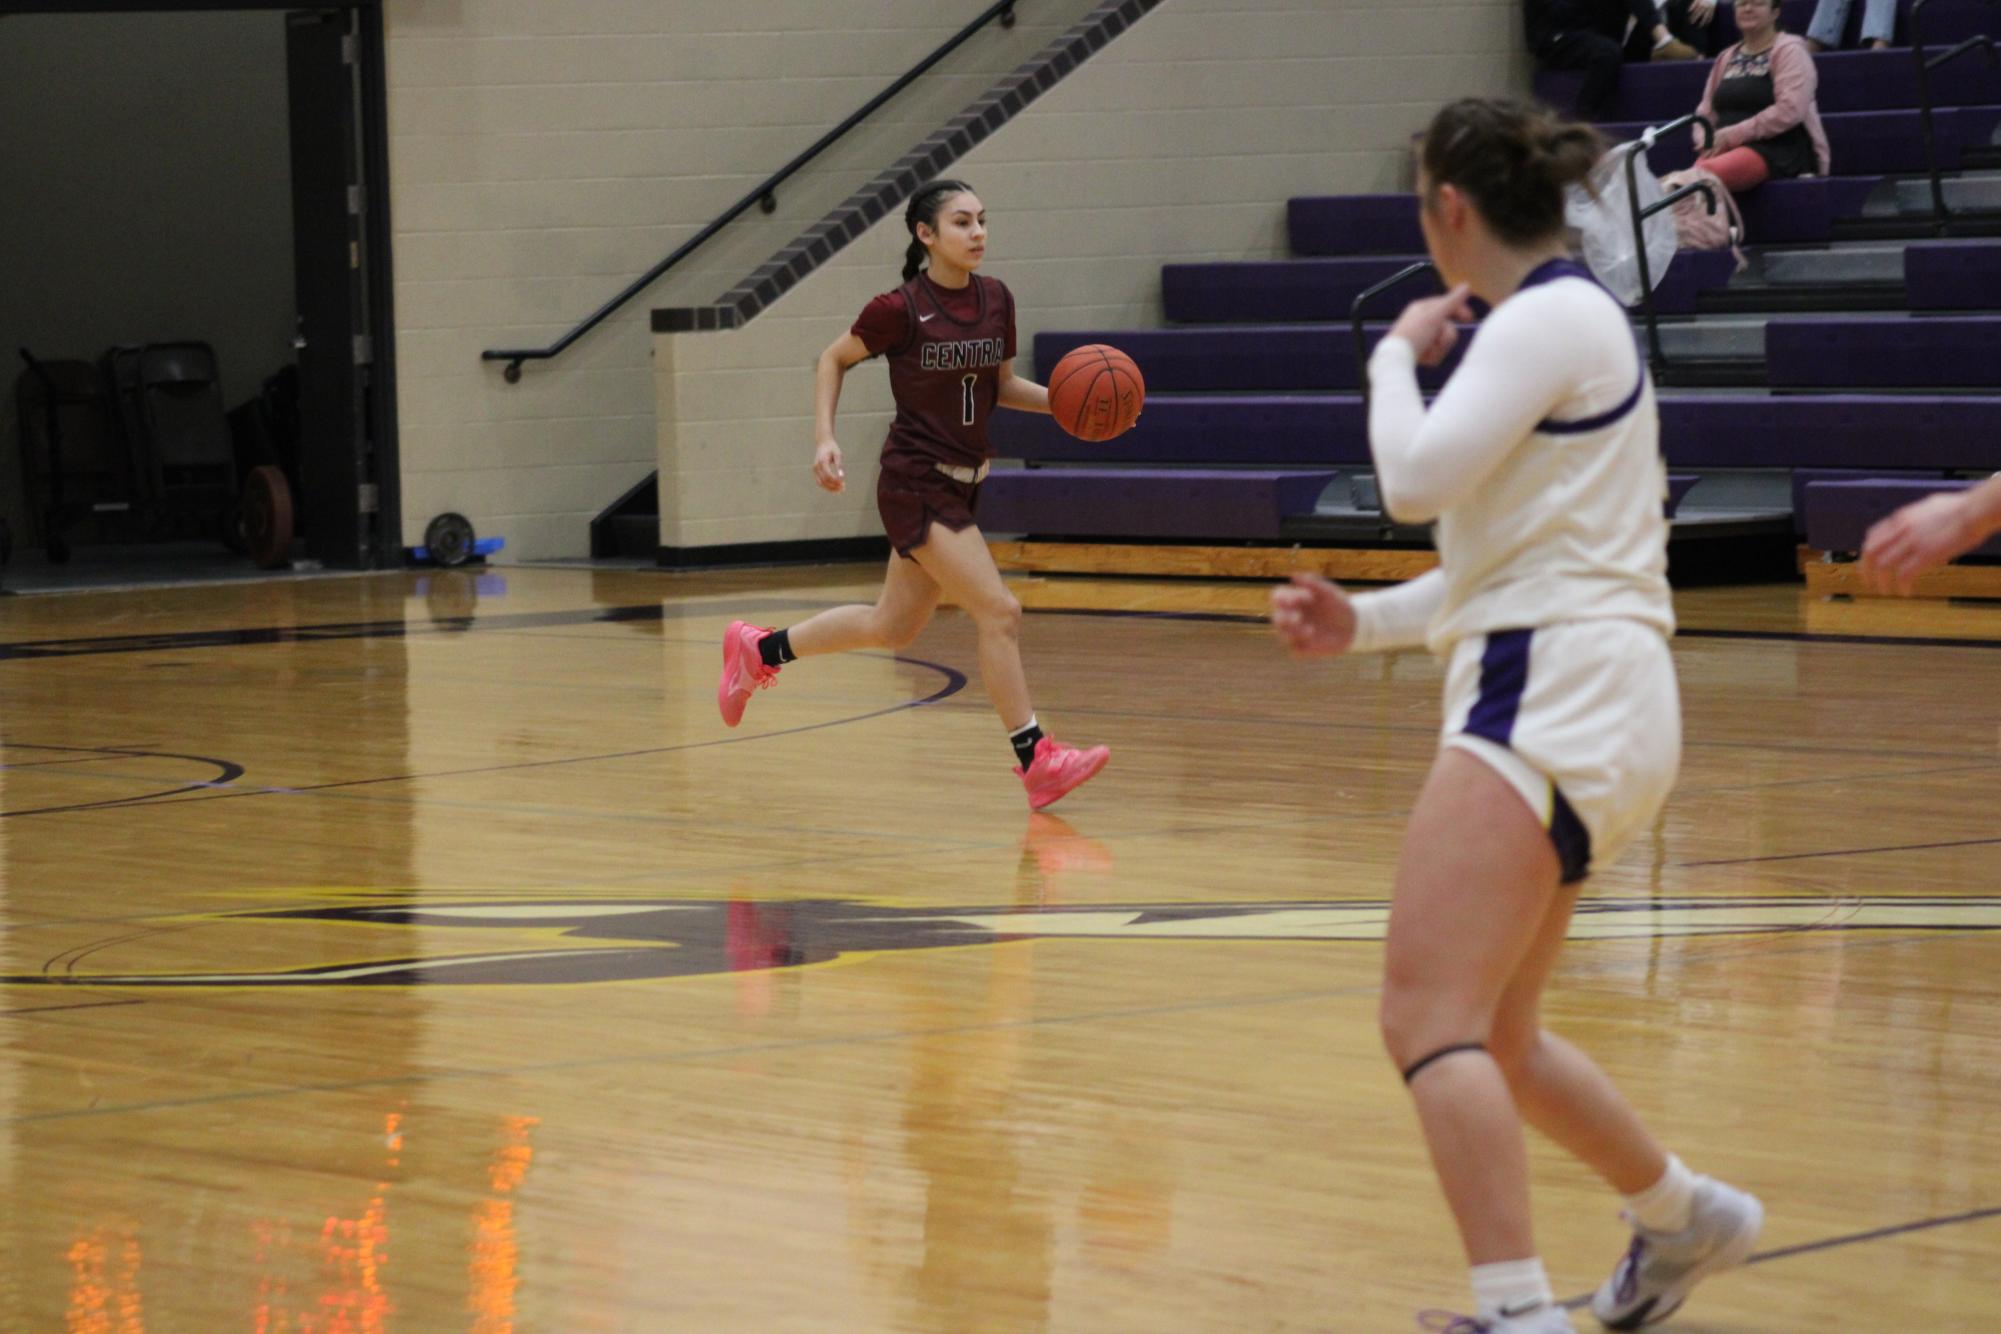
<point>557,941</point>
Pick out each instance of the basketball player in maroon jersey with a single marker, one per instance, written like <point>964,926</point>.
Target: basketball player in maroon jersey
<point>948,335</point>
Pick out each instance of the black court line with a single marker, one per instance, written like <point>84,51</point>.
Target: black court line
<point>42,649</point>
<point>1849,1239</point>
<point>227,771</point>
<point>26,1011</point>
<point>955,681</point>
<point>1875,1234</point>
<point>684,610</point>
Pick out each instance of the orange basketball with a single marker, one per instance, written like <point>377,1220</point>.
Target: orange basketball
<point>1095,392</point>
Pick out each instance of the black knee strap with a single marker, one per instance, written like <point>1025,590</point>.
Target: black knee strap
<point>1417,1067</point>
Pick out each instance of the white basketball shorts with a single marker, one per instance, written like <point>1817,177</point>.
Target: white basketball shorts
<point>1583,718</point>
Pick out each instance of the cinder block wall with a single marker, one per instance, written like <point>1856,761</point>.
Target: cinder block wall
<point>1180,141</point>
<point>543,154</point>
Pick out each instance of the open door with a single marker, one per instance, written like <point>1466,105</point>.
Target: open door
<point>339,503</point>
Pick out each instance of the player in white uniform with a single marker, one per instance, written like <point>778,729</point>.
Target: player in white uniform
<point>1540,462</point>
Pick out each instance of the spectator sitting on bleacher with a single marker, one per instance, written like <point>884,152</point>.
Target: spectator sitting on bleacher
<point>1760,97</point>
<point>1597,36</point>
<point>1830,20</point>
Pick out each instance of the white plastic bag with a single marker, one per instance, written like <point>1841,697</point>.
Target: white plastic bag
<point>1602,214</point>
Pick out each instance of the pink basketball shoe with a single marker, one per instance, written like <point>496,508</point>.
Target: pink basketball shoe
<point>1057,769</point>
<point>744,672</point>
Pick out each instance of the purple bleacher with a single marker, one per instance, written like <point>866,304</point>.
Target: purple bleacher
<point>1849,81</point>
<point>1284,289</point>
<point>1263,429</point>
<point>1147,503</point>
<point>1804,209</point>
<point>1839,514</point>
<point>1692,273</point>
<point>1270,291</point>
<point>1830,431</point>
<point>1778,211</point>
<point>1953,275</point>
<point>1860,143</point>
<point>1805,477</point>
<point>1831,352</point>
<point>1237,358</point>
<point>1354,225</point>
<point>1698,430</point>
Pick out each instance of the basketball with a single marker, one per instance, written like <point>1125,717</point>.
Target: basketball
<point>1095,392</point>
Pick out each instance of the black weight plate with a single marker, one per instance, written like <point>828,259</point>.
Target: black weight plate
<point>449,538</point>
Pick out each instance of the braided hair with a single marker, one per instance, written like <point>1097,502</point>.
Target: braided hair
<point>924,206</point>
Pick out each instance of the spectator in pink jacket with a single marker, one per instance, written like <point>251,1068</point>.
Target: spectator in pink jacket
<point>1760,97</point>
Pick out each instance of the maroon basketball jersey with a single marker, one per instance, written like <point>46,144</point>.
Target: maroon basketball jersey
<point>945,373</point>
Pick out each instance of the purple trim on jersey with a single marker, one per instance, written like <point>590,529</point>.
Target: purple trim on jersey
<point>1504,679</point>
<point>1586,425</point>
<point>1548,272</point>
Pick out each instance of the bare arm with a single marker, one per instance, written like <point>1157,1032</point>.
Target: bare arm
<point>842,355</point>
<point>1927,533</point>
<point>1319,619</point>
<point>1020,394</point>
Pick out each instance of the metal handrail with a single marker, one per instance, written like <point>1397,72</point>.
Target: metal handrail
<point>764,195</point>
<point>1636,150</point>
<point>1397,279</point>
<point>1941,215</point>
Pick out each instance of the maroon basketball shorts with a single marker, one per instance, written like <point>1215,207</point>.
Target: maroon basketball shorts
<point>911,494</point>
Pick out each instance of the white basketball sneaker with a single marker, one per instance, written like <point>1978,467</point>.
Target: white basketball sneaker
<point>1659,1268</point>
<point>1543,1318</point>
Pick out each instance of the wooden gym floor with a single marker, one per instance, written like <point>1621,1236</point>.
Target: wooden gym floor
<point>420,953</point>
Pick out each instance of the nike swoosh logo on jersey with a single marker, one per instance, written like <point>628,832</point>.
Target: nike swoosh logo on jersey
<point>922,318</point>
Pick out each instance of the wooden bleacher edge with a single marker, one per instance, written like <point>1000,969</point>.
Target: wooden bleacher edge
<point>1824,577</point>
<point>1831,578</point>
<point>1349,564</point>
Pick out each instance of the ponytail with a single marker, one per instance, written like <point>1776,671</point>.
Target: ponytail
<point>1513,160</point>
<point>924,206</point>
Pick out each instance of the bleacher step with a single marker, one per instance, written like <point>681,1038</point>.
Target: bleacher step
<point>1974,192</point>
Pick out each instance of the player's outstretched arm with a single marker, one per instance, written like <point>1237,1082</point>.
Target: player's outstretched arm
<point>1022,395</point>
<point>1927,533</point>
<point>1319,619</point>
<point>1313,617</point>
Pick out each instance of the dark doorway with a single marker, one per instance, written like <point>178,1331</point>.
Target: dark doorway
<point>335,356</point>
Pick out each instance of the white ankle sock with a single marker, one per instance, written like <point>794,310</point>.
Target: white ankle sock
<point>1666,1205</point>
<point>1511,1287</point>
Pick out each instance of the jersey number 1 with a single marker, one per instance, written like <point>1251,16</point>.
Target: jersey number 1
<point>966,399</point>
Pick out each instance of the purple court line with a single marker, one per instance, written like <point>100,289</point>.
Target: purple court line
<point>1850,1239</point>
<point>1845,852</point>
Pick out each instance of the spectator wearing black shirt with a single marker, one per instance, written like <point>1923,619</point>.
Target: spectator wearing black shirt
<point>1597,36</point>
